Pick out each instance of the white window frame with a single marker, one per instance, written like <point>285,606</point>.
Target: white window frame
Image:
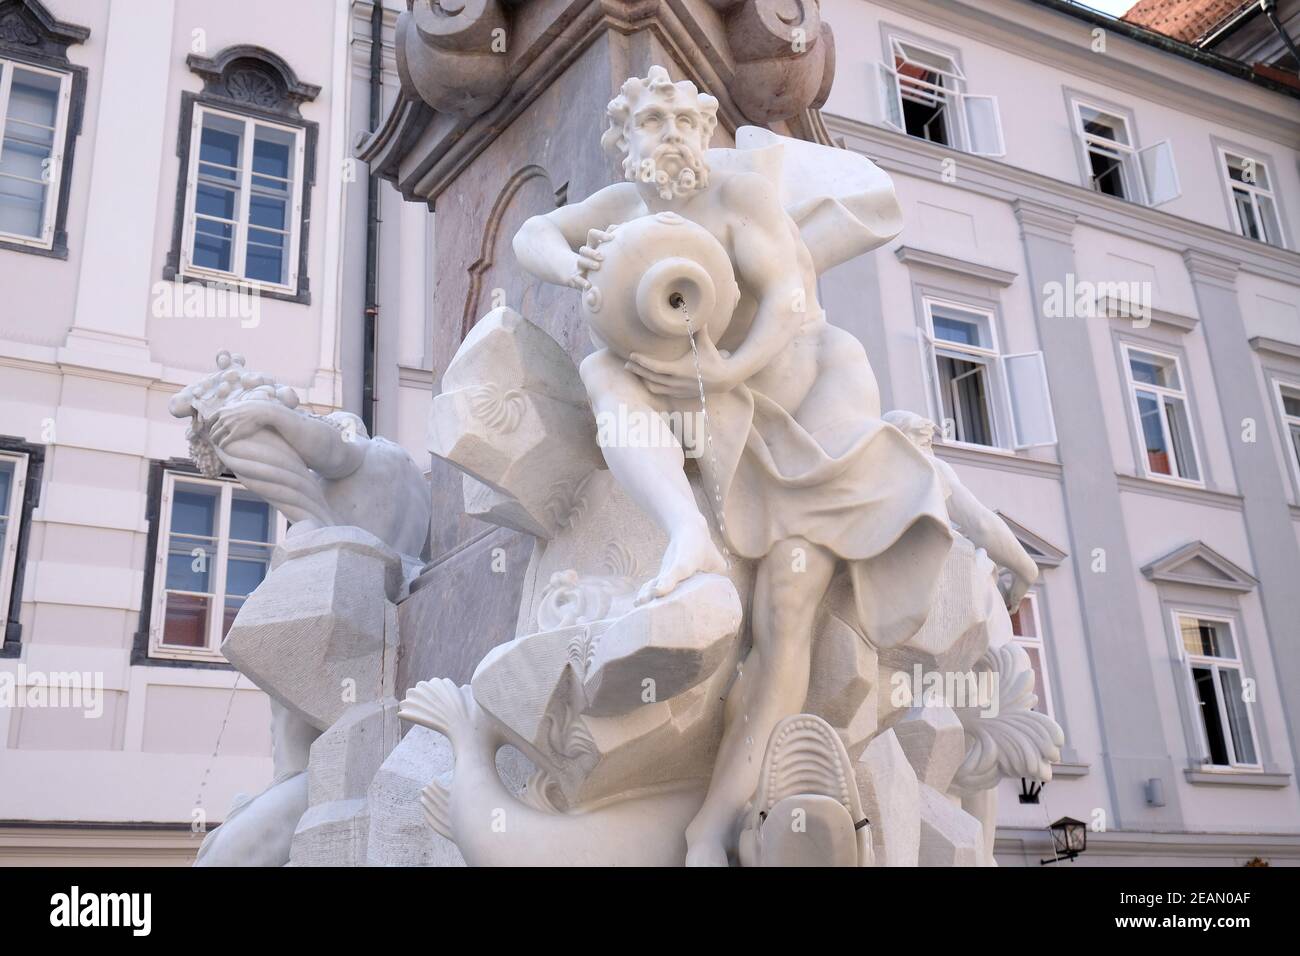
<point>217,604</point>
<point>1288,422</point>
<point>13,530</point>
<point>1183,393</point>
<point>1002,418</point>
<point>1126,152</point>
<point>241,225</point>
<point>55,181</point>
<point>960,102</point>
<point>1216,664</point>
<point>987,357</point>
<point>1133,159</point>
<point>1039,644</point>
<point>1254,191</point>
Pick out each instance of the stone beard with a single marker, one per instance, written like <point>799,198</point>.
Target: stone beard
<point>675,169</point>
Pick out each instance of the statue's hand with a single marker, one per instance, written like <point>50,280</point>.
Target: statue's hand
<point>1014,587</point>
<point>241,419</point>
<point>589,258</point>
<point>680,378</point>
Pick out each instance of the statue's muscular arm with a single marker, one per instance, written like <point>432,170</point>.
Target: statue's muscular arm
<point>554,246</point>
<point>766,256</point>
<point>986,530</point>
<point>323,448</point>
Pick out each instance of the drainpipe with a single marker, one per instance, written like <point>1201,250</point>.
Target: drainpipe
<point>371,317</point>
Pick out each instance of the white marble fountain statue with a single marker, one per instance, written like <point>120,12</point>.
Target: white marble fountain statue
<point>762,624</point>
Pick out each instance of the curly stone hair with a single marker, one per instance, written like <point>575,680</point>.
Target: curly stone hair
<point>656,83</point>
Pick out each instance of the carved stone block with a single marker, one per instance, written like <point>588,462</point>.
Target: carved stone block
<point>949,835</point>
<point>935,744</point>
<point>888,788</point>
<point>535,688</point>
<point>513,416</point>
<point>673,644</point>
<point>320,633</point>
<point>842,687</point>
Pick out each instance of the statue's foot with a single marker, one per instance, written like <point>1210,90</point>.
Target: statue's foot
<point>690,551</point>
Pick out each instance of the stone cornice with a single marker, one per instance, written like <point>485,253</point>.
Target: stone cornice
<point>997,460</point>
<point>421,149</point>
<point>1211,269</point>
<point>1275,347</point>
<point>910,255</point>
<point>1123,311</point>
<point>1044,221</point>
<point>898,153</point>
<point>1239,778</point>
<point>1181,492</point>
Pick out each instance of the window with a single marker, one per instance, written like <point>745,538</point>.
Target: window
<point>215,541</point>
<point>1163,423</point>
<point>13,476</point>
<point>923,95</point>
<point>1289,401</point>
<point>979,396</point>
<point>1253,205</point>
<point>33,126</point>
<point>1218,691</point>
<point>1028,631</point>
<point>1115,166</point>
<point>243,200</point>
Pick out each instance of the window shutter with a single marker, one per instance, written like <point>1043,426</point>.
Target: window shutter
<point>1159,174</point>
<point>891,97</point>
<point>929,377</point>
<point>1029,398</point>
<point>983,125</point>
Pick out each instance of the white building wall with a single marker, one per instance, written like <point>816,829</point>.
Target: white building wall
<point>965,208</point>
<point>86,369</point>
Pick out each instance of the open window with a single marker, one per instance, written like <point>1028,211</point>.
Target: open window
<point>1288,397</point>
<point>1115,166</point>
<point>1254,205</point>
<point>923,94</point>
<point>976,395</point>
<point>1218,690</point>
<point>1161,415</point>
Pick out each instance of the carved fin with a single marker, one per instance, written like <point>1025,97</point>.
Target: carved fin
<point>439,705</point>
<point>436,800</point>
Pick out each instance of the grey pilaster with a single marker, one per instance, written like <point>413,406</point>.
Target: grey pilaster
<point>1133,735</point>
<point>1260,476</point>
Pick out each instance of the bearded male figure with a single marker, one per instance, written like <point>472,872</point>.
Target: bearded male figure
<point>806,474</point>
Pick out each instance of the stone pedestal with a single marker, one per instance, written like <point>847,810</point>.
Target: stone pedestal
<point>320,635</point>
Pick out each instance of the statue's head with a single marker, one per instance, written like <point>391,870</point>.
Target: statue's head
<point>662,130</point>
<point>918,428</point>
<point>199,402</point>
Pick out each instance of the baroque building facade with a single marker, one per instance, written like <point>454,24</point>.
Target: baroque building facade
<point>1095,295</point>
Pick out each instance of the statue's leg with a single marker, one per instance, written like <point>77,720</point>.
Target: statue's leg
<point>651,473</point>
<point>773,684</point>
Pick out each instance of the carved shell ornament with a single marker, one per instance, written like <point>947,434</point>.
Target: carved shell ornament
<point>499,409</point>
<point>253,86</point>
<point>14,30</point>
